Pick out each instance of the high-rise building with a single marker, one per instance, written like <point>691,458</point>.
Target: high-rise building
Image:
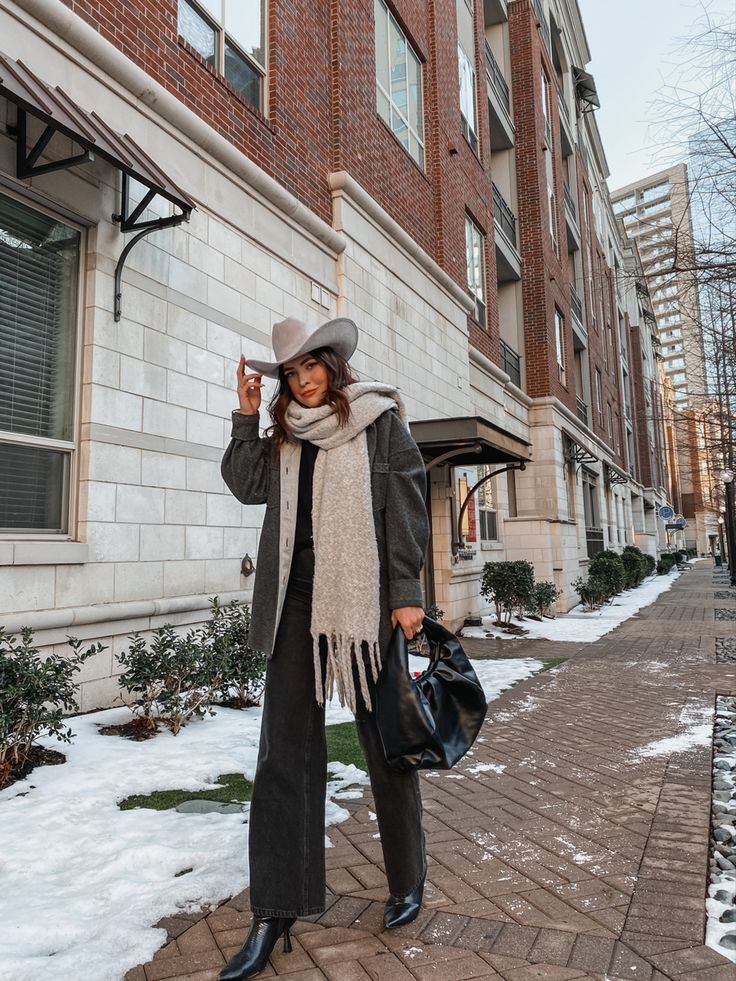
<point>656,214</point>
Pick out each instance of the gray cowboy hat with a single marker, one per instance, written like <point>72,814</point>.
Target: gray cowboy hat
<point>292,338</point>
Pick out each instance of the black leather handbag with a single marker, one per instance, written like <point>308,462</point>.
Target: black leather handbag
<point>428,722</point>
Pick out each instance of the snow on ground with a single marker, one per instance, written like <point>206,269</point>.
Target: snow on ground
<point>83,881</point>
<point>579,626</point>
<point>697,723</point>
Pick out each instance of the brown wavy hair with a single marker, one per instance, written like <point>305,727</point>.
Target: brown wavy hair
<point>339,374</point>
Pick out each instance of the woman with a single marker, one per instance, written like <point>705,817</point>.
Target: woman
<point>339,559</point>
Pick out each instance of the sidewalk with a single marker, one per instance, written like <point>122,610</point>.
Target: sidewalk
<point>559,850</point>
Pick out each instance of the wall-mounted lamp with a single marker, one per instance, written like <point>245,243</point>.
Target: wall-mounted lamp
<point>246,566</point>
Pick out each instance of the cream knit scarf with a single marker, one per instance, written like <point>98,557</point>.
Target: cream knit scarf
<point>345,599</point>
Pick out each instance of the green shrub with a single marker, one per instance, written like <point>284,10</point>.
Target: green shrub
<point>35,693</point>
<point>692,553</point>
<point>175,678</point>
<point>510,584</point>
<point>651,563</point>
<point>243,669</point>
<point>665,563</point>
<point>635,565</point>
<point>607,568</point>
<point>434,612</point>
<point>591,591</point>
<point>544,595</point>
<point>677,557</point>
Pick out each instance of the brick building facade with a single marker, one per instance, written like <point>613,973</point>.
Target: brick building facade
<point>336,166</point>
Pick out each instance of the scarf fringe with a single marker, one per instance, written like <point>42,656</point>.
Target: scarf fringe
<point>342,664</point>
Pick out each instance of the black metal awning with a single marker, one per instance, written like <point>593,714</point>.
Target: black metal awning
<point>59,113</point>
<point>585,88</point>
<point>468,440</point>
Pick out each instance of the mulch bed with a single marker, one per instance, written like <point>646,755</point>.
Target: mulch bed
<point>136,730</point>
<point>38,756</point>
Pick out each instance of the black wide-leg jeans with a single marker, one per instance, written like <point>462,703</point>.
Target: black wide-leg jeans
<point>287,811</point>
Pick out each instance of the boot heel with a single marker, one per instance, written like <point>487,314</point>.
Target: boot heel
<point>287,939</point>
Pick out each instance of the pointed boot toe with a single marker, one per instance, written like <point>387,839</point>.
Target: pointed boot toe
<point>402,910</point>
<point>253,956</point>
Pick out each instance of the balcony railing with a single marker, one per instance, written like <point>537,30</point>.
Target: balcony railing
<point>495,77</point>
<point>511,363</point>
<point>504,216</point>
<point>594,541</point>
<point>570,201</point>
<point>582,408</point>
<point>577,305</point>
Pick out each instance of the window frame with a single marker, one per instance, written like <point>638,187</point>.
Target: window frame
<point>409,46</point>
<point>560,344</point>
<point>222,36</point>
<point>471,225</point>
<point>71,448</point>
<point>488,490</point>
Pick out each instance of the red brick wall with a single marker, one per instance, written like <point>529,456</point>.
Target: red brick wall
<point>322,114</point>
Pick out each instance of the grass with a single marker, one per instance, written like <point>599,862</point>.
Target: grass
<point>233,789</point>
<point>342,747</point>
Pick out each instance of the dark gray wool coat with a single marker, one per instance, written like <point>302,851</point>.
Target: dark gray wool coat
<point>257,473</point>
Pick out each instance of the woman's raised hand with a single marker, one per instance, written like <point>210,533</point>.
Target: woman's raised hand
<point>249,390</point>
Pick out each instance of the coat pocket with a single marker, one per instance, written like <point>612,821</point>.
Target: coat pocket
<point>379,485</point>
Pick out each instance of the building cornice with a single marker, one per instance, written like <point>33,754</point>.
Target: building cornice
<point>342,184</point>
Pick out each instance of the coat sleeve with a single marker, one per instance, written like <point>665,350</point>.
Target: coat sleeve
<point>246,464</point>
<point>407,523</point>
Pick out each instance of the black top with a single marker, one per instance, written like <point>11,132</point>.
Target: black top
<point>303,533</point>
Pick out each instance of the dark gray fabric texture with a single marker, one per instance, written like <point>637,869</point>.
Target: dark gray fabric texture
<point>287,812</point>
<point>250,468</point>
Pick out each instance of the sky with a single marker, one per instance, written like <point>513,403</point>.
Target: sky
<point>638,48</point>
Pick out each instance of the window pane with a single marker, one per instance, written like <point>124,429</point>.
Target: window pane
<point>32,486</point>
<point>415,95</point>
<point>195,29</point>
<point>213,7</point>
<point>400,129</point>
<point>382,73</point>
<point>398,69</point>
<point>245,23</point>
<point>39,263</point>
<point>241,74</point>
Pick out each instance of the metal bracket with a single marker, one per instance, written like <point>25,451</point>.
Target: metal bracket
<point>613,477</point>
<point>459,544</point>
<point>25,159</point>
<point>575,453</point>
<point>128,221</point>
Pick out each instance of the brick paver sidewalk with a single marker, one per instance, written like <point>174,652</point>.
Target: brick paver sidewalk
<point>558,850</point>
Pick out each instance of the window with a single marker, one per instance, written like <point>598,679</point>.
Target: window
<point>625,204</point>
<point>590,499</point>
<point>679,378</point>
<point>546,111</point>
<point>399,97</point>
<point>511,492</point>
<point>230,36</point>
<point>657,191</point>
<point>598,394</point>
<point>487,507</point>
<point>551,199</point>
<point>39,276</point>
<point>466,67</point>
<point>560,341</point>
<point>610,424</point>
<point>475,258</point>
<point>651,209</point>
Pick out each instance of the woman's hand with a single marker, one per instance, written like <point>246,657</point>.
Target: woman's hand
<point>249,390</point>
<point>411,619</point>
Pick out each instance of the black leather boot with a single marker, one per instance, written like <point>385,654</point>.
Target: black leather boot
<point>402,910</point>
<point>253,955</point>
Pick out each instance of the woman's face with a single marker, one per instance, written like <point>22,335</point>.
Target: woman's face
<point>307,380</point>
